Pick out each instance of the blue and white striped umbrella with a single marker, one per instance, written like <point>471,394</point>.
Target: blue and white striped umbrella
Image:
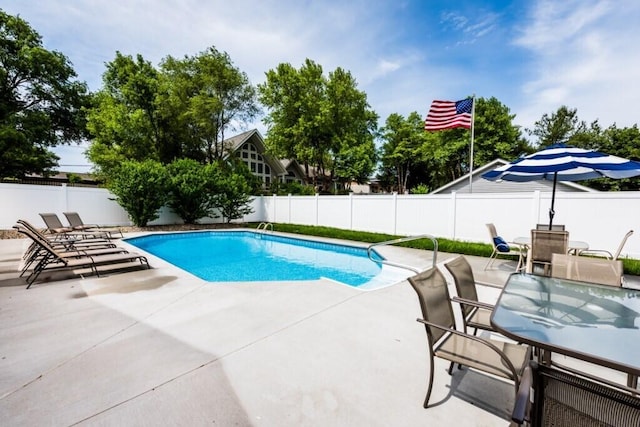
<point>562,162</point>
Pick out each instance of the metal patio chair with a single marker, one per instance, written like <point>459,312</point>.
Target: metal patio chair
<point>568,398</point>
<point>587,269</point>
<point>475,314</point>
<point>500,358</point>
<point>545,243</point>
<point>607,254</point>
<point>502,247</point>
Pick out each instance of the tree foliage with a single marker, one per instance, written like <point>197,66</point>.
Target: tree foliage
<point>40,101</point>
<point>180,109</point>
<point>401,149</point>
<point>558,127</point>
<point>140,188</point>
<point>234,190</point>
<point>321,122</point>
<point>411,156</point>
<point>564,126</point>
<point>192,189</point>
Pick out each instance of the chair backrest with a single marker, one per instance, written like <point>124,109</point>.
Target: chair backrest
<point>431,287</point>
<point>622,243</point>
<point>554,227</point>
<point>565,399</point>
<point>492,231</point>
<point>465,282</point>
<point>40,241</point>
<point>587,269</point>
<point>544,243</point>
<point>74,219</point>
<point>52,221</point>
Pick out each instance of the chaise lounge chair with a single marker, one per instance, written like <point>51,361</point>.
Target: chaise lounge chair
<point>51,259</point>
<point>77,224</point>
<point>55,226</point>
<point>36,253</point>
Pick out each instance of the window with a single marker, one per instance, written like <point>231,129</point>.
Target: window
<point>256,162</point>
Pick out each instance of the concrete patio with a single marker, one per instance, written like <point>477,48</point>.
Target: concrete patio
<point>161,347</point>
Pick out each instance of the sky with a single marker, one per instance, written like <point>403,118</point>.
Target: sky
<point>534,56</point>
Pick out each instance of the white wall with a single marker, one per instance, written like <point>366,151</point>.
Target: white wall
<point>601,219</point>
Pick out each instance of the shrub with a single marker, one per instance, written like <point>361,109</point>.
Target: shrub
<point>192,187</point>
<point>140,188</point>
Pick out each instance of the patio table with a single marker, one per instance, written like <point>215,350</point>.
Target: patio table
<point>596,323</point>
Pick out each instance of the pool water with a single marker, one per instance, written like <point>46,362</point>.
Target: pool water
<point>245,256</point>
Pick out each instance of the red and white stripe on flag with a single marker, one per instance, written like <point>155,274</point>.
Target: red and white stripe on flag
<point>449,115</point>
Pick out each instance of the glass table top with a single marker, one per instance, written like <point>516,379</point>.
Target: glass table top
<point>588,321</point>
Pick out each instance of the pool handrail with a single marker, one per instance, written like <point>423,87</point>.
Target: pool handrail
<point>400,240</point>
<point>264,225</point>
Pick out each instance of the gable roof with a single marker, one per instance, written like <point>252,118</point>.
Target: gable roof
<point>481,185</point>
<point>235,142</point>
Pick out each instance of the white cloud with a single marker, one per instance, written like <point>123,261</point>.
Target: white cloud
<point>583,56</point>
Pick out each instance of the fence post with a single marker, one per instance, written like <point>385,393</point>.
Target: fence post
<point>454,207</point>
<point>395,212</point>
<point>317,209</point>
<point>65,198</point>
<point>536,207</point>
<point>351,211</point>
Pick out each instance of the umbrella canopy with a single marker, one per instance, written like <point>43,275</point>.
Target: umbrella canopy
<point>562,162</point>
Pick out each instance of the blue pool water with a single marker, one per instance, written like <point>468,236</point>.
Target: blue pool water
<point>233,256</point>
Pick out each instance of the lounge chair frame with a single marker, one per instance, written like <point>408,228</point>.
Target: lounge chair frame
<point>52,259</point>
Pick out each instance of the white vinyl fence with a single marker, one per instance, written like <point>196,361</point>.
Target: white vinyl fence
<point>601,219</point>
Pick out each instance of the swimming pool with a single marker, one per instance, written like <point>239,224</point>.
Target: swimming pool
<point>246,256</point>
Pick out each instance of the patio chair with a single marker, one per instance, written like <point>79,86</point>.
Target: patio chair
<point>52,259</point>
<point>587,269</point>
<point>475,314</point>
<point>77,224</point>
<point>55,226</point>
<point>554,227</point>
<point>566,398</point>
<point>501,247</point>
<point>606,253</point>
<point>35,252</point>
<point>544,244</point>
<point>63,243</point>
<point>494,357</point>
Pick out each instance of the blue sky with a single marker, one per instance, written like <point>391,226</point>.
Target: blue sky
<point>532,55</point>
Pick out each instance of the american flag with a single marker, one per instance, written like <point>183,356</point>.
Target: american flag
<point>449,115</point>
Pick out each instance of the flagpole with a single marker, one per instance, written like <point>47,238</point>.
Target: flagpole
<point>473,119</point>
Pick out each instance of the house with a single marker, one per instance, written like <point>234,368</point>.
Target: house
<point>295,173</point>
<point>481,185</point>
<point>250,148</point>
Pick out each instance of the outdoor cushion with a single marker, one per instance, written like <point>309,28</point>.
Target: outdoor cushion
<point>501,245</point>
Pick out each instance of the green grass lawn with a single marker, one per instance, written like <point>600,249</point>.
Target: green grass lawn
<point>631,266</point>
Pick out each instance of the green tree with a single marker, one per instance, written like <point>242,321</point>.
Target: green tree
<point>559,127</point>
<point>180,110</point>
<point>40,101</point>
<point>234,190</point>
<point>319,121</point>
<point>140,188</point>
<point>192,188</point>
<point>210,95</point>
<point>123,120</point>
<point>446,154</point>
<point>401,149</point>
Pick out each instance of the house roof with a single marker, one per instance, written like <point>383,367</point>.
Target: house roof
<point>481,185</point>
<point>235,142</point>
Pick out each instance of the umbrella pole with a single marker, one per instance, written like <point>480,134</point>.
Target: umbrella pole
<point>553,199</point>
